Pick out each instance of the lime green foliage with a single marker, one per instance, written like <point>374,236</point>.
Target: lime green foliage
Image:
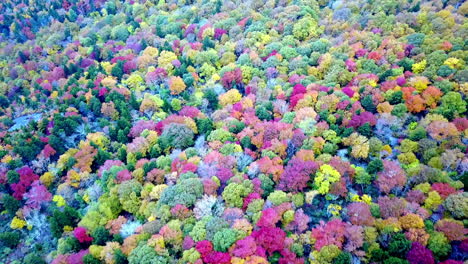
<point>190,255</point>
<point>325,176</point>
<point>278,197</point>
<point>433,200</point>
<point>439,244</point>
<point>326,254</point>
<point>224,238</point>
<point>220,135</point>
<point>144,254</point>
<point>306,28</point>
<point>234,192</point>
<point>108,207</point>
<point>452,105</point>
<point>129,193</point>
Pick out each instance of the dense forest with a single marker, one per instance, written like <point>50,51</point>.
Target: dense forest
<point>228,131</point>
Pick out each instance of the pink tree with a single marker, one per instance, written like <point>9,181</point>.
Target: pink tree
<point>392,176</point>
<point>296,175</point>
<point>331,233</point>
<point>37,195</point>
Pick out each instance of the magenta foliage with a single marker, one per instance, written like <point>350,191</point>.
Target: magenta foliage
<point>293,100</point>
<point>140,126</point>
<point>189,111</point>
<point>250,198</point>
<point>296,175</point>
<point>269,218</point>
<point>300,222</point>
<point>200,31</point>
<point>190,29</point>
<point>188,243</point>
<point>270,238</point>
<point>351,66</point>
<point>77,258</point>
<point>348,91</point>
<point>107,165</point>
<point>189,167</point>
<point>124,175</point>
<point>418,254</point>
<point>298,89</point>
<point>27,177</point>
<point>82,235</point>
<point>48,151</point>
<point>204,247</point>
<point>37,195</point>
<point>461,123</point>
<point>224,174</point>
<point>288,257</point>
<point>156,76</point>
<point>245,247</point>
<point>451,261</point>
<point>354,237</point>
<point>217,258</point>
<point>359,120</point>
<point>444,189</point>
<point>232,77</point>
<point>218,32</point>
<point>129,66</point>
<point>331,233</point>
<point>415,196</point>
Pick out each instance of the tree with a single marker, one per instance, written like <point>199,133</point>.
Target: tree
<point>177,136</point>
<point>452,105</point>
<point>439,244</point>
<point>37,195</point>
<point>263,113</point>
<point>457,205</point>
<point>117,70</point>
<point>90,259</point>
<point>296,175</point>
<point>81,235</point>
<point>375,166</point>
<point>399,245</point>
<point>326,176</point>
<point>60,219</point>
<point>420,255</point>
<point>10,204</point>
<point>330,233</point>
<point>368,104</point>
<point>390,177</point>
<point>186,192</point>
<point>212,98</point>
<point>176,85</point>
<point>10,239</point>
<point>359,214</point>
<point>120,32</point>
<point>224,238</point>
<point>33,259</point>
<point>306,28</point>
<point>234,192</point>
<point>145,254</point>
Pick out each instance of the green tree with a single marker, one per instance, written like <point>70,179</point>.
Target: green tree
<point>224,239</point>
<point>452,105</point>
<point>61,218</point>
<point>10,239</point>
<point>117,70</point>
